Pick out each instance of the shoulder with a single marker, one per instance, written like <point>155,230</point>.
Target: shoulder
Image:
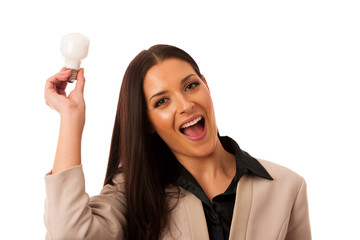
<point>279,195</point>
<point>281,202</point>
<point>284,179</point>
<point>117,186</point>
<point>277,171</point>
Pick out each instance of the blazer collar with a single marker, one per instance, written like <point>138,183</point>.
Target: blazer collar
<point>196,216</point>
<point>241,213</point>
<point>240,219</point>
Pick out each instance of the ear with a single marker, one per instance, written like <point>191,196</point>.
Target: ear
<point>203,78</point>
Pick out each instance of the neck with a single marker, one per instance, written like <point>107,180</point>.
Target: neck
<point>213,172</point>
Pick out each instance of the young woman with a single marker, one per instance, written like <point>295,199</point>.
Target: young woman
<point>170,174</point>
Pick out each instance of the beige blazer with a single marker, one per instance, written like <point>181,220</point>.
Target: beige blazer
<point>264,209</point>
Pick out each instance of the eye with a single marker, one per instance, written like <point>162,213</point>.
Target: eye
<point>191,85</point>
<point>161,102</point>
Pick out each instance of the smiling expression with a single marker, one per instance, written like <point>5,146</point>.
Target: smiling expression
<point>180,108</point>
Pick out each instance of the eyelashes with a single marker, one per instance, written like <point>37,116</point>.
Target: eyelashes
<point>191,85</point>
<point>163,101</point>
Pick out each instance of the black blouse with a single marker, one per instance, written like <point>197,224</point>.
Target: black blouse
<point>219,214</point>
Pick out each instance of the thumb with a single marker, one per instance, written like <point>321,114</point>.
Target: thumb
<point>80,83</point>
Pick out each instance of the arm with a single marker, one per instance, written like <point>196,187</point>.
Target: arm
<point>72,114</point>
<point>71,214</point>
<point>299,224</point>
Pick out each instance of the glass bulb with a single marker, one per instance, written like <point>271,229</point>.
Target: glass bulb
<point>74,47</point>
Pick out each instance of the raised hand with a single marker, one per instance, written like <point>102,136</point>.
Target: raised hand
<point>56,98</point>
<point>72,113</point>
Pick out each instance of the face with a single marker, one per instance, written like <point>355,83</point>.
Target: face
<point>180,109</point>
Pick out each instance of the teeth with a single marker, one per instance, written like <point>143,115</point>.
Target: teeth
<point>193,122</point>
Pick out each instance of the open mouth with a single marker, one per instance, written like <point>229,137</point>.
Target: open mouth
<point>195,128</point>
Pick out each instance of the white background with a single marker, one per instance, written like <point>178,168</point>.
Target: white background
<point>284,77</point>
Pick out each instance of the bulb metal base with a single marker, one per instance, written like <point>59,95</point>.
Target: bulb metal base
<point>73,75</point>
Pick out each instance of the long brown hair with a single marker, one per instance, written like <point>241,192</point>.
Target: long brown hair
<point>143,157</point>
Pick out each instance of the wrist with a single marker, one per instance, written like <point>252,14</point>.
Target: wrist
<point>74,116</point>
<point>73,122</point>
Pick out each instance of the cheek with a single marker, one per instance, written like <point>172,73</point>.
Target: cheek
<point>161,121</point>
<point>207,103</point>
<point>208,106</point>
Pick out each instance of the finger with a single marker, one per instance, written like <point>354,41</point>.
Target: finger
<point>51,98</point>
<point>60,76</point>
<point>56,84</point>
<point>63,75</point>
<point>80,83</point>
<point>60,87</point>
<point>50,84</point>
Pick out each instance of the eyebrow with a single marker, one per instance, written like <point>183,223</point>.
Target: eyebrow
<point>163,92</point>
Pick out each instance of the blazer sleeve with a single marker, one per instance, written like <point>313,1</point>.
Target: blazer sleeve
<point>299,223</point>
<point>71,214</point>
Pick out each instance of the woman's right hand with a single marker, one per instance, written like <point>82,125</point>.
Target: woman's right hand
<point>72,105</point>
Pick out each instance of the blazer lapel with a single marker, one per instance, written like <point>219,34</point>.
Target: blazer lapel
<point>196,216</point>
<point>242,208</point>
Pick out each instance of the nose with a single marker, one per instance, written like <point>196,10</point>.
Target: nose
<point>185,105</point>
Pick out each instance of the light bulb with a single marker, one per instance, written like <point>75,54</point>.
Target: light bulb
<point>74,47</point>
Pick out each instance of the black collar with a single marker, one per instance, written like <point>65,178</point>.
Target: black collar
<point>245,164</point>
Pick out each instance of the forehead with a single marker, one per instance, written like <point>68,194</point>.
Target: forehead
<point>169,71</point>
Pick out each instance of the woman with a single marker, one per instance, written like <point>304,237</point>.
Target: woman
<point>170,175</point>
